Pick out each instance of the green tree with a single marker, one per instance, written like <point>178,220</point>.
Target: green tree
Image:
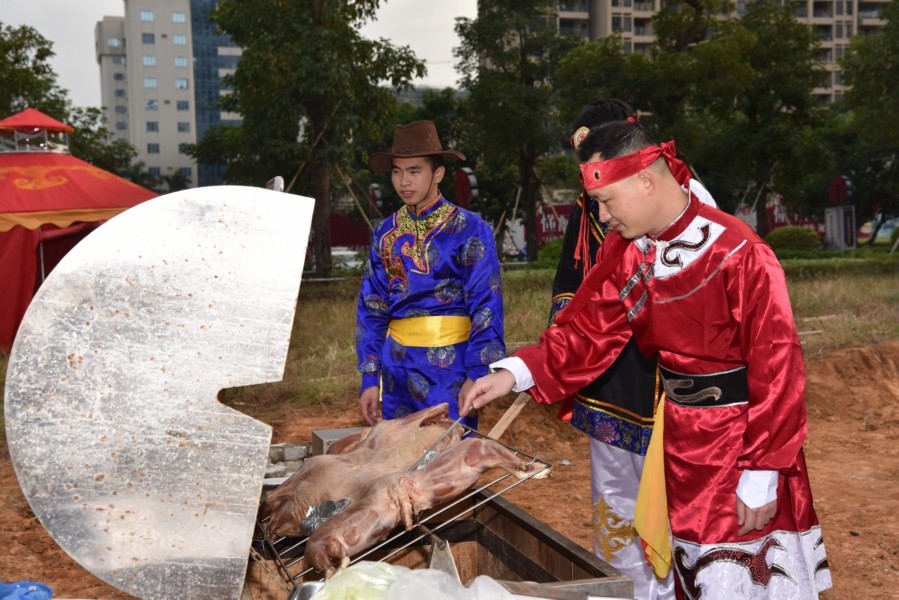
<point>749,117</point>
<point>308,88</point>
<point>26,77</point>
<point>508,58</point>
<point>871,135</point>
<point>176,182</point>
<point>597,70</point>
<point>137,173</point>
<point>93,142</point>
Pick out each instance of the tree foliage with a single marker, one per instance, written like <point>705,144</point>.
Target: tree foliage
<point>92,141</point>
<point>600,70</point>
<point>26,77</point>
<point>507,58</point>
<point>870,137</point>
<point>755,112</point>
<point>307,86</point>
<point>735,94</point>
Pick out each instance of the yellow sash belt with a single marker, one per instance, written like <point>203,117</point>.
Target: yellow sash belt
<point>651,511</point>
<point>430,332</point>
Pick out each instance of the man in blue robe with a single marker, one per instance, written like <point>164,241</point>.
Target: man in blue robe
<point>430,313</point>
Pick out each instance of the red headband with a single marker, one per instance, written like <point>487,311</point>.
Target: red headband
<point>606,172</point>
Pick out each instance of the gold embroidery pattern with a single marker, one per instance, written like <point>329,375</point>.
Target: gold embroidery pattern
<point>421,230</point>
<point>41,178</point>
<point>611,533</point>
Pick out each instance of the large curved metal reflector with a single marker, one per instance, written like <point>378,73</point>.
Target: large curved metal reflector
<point>113,426</point>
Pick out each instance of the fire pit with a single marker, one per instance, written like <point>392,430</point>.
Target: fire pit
<point>478,534</point>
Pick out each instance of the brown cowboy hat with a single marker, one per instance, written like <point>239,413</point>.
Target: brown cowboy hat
<point>412,139</point>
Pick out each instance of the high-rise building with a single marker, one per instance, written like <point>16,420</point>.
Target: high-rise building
<point>834,21</point>
<point>215,55</point>
<point>160,71</point>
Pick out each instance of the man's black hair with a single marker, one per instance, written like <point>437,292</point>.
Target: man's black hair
<point>436,160</point>
<point>603,111</point>
<point>615,139</point>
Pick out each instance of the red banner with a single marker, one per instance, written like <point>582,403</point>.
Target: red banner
<point>552,221</point>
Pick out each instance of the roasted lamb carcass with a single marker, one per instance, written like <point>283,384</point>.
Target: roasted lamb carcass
<point>399,497</point>
<point>389,446</point>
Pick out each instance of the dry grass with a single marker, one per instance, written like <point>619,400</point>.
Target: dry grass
<point>844,309</point>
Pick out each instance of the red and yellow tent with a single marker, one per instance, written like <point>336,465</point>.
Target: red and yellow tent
<point>49,200</point>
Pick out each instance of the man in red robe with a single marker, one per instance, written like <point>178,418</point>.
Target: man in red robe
<point>702,292</point>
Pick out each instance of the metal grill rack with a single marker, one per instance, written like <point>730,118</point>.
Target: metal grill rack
<point>288,552</point>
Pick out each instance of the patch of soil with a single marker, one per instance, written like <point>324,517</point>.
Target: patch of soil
<point>853,458</point>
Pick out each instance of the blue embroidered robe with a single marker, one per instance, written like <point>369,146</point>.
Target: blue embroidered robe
<point>441,262</point>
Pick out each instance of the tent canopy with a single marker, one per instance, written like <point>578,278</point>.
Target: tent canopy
<point>33,119</point>
<point>37,188</point>
<point>47,196</point>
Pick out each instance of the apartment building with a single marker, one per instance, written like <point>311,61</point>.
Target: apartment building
<point>160,71</point>
<point>834,21</point>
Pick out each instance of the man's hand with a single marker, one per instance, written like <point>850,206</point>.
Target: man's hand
<point>485,390</point>
<point>465,387</point>
<point>369,405</point>
<point>754,518</point>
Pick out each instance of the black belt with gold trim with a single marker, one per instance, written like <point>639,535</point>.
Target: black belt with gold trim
<point>715,389</point>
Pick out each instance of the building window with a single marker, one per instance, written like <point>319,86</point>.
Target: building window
<point>119,76</point>
<point>149,60</point>
<point>114,42</point>
<point>121,125</point>
<point>154,171</point>
<point>148,38</point>
<point>152,125</point>
<point>183,127</point>
<point>179,40</point>
<point>180,84</point>
<point>152,148</point>
<point>151,104</point>
<point>121,109</point>
<point>179,17</point>
<point>150,82</point>
<point>182,148</point>
<point>185,172</point>
<point>147,16</point>
<point>119,93</point>
<point>182,105</point>
<point>118,60</point>
<point>180,61</point>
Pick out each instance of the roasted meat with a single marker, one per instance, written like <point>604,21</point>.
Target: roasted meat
<point>399,497</point>
<point>389,446</point>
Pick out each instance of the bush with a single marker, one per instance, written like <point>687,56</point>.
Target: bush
<point>549,255</point>
<point>793,237</point>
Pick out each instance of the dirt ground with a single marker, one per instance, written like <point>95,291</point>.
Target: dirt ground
<point>853,457</point>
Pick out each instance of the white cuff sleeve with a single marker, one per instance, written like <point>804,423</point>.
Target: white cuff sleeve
<point>757,488</point>
<point>523,378</point>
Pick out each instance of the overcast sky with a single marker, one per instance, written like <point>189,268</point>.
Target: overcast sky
<point>424,25</point>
